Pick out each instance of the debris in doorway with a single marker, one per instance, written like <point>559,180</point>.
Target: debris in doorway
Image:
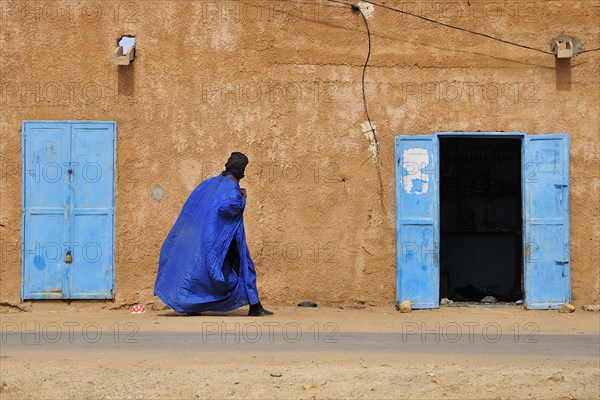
<point>307,304</point>
<point>592,308</point>
<point>138,309</point>
<point>489,300</point>
<point>566,308</point>
<point>468,293</point>
<point>405,307</point>
<point>474,294</point>
<point>445,301</point>
<point>519,302</point>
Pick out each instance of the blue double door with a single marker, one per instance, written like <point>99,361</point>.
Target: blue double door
<point>545,218</point>
<point>68,210</point>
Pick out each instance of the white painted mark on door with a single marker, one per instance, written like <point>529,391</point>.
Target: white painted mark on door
<point>416,160</point>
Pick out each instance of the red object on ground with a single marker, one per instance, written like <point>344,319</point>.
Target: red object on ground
<point>138,309</point>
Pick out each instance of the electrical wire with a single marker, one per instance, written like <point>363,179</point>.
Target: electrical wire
<point>340,2</point>
<point>364,71</point>
<point>485,35</point>
<point>363,82</point>
<point>587,51</point>
<point>357,8</point>
<point>459,28</point>
<point>375,141</point>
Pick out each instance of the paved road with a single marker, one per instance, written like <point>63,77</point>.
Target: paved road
<point>260,338</point>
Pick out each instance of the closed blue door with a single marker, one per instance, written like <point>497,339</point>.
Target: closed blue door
<point>547,273</point>
<point>68,196</point>
<point>417,216</point>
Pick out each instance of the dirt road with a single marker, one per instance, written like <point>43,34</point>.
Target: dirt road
<point>81,351</point>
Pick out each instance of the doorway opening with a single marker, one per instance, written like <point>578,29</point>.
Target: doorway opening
<point>480,219</point>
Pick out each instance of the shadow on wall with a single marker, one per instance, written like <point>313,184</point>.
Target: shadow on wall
<point>126,80</point>
<point>562,67</point>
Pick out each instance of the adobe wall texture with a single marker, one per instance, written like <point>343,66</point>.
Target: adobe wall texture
<point>280,81</point>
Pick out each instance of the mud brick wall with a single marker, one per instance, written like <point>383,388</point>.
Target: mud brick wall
<point>281,81</point>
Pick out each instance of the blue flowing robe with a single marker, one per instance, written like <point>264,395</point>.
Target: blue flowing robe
<point>194,274</point>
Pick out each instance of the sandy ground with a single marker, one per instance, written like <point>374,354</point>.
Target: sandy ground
<point>81,351</point>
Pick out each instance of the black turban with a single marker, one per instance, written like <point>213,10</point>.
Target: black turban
<point>236,165</point>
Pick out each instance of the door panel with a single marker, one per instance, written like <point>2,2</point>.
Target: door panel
<point>91,270</point>
<point>92,159</point>
<point>47,150</point>
<point>44,250</point>
<point>45,212</point>
<point>417,221</point>
<point>547,276</point>
<point>92,212</point>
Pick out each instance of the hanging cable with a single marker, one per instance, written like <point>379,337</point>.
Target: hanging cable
<point>357,8</point>
<point>459,28</point>
<point>340,2</point>
<point>372,130</point>
<point>587,51</point>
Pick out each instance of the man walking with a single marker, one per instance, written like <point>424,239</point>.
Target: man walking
<point>205,263</point>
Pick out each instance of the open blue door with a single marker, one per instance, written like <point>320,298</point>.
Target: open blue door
<point>417,221</point>
<point>68,204</point>
<point>547,275</point>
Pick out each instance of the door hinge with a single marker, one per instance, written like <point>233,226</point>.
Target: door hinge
<point>560,185</point>
<point>561,261</point>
